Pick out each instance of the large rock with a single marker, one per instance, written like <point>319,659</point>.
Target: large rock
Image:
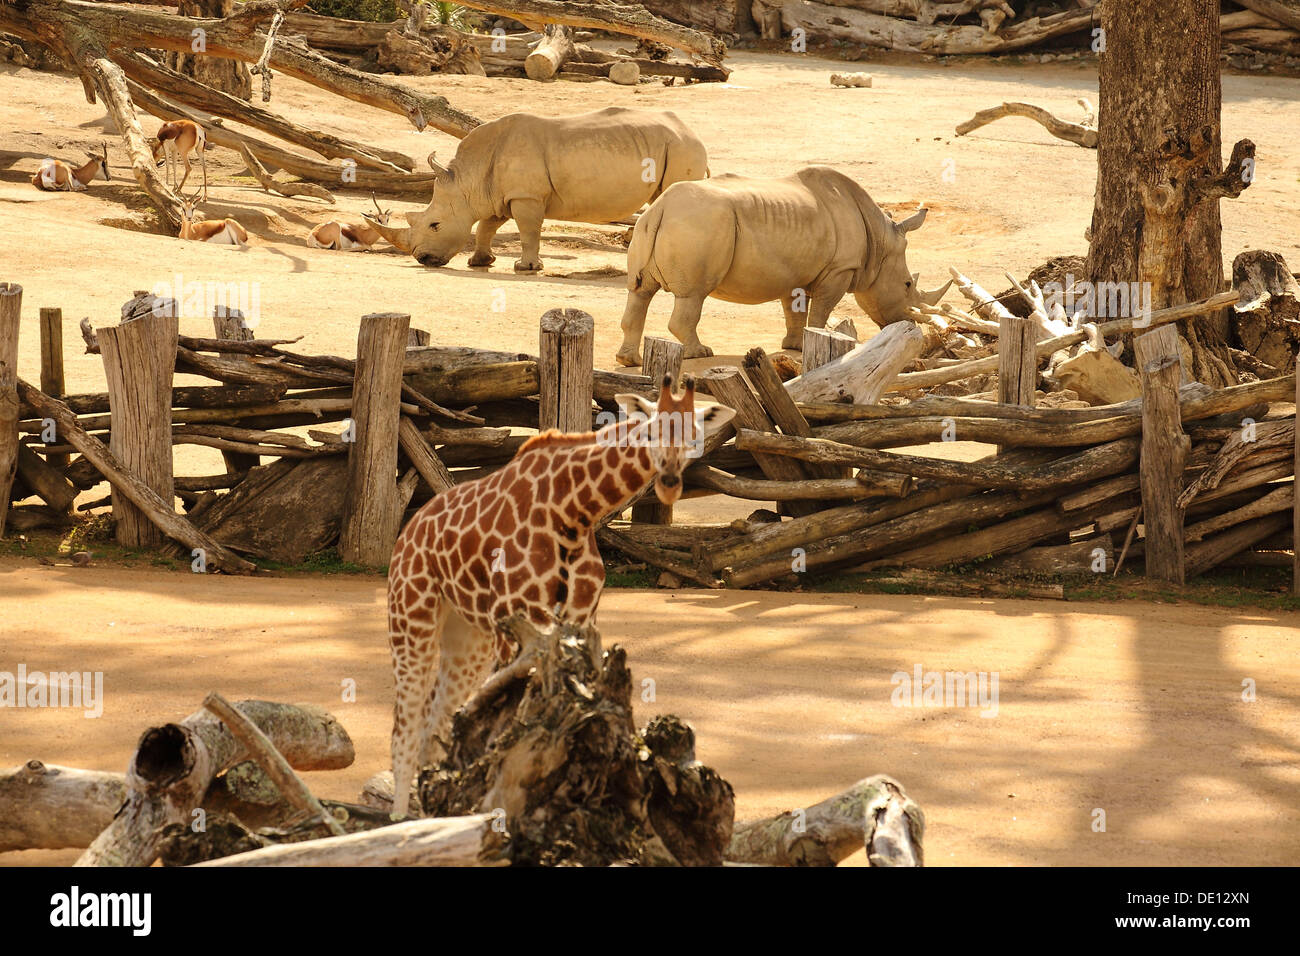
<point>1098,377</point>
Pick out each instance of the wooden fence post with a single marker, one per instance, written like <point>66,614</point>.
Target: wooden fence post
<point>139,363</point>
<point>370,503</point>
<point>11,305</point>
<point>229,324</point>
<point>1017,363</point>
<point>662,357</point>
<point>824,345</point>
<point>1295,508</point>
<point>52,382</point>
<point>568,339</point>
<point>1164,455</point>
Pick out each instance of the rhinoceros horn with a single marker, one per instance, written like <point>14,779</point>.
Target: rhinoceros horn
<point>436,166</point>
<point>932,297</point>
<point>913,221</point>
<point>399,237</point>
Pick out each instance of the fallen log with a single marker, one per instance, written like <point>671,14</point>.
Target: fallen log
<point>158,511</point>
<point>550,54</point>
<point>874,814</point>
<point>174,765</point>
<point>678,564</point>
<point>1087,556</point>
<point>861,375</point>
<point>1080,135</point>
<point>449,841</point>
<point>811,489</point>
<point>47,807</point>
<point>1099,461</point>
<point>1281,498</point>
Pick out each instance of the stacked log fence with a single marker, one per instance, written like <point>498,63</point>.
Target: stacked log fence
<point>839,483</point>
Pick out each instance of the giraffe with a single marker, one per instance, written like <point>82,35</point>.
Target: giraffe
<point>522,539</point>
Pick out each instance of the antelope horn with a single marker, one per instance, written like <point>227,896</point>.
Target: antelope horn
<point>376,202</point>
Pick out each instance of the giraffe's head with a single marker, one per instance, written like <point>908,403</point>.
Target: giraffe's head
<point>673,430</point>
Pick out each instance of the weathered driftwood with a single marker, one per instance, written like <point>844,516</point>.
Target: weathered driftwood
<point>674,562</point>
<point>144,497</point>
<point>43,479</point>
<point>863,373</point>
<point>1245,442</point>
<point>1099,461</point>
<point>474,840</point>
<point>422,457</point>
<point>1088,556</point>
<point>822,345</point>
<point>1211,552</point>
<point>270,760</point>
<point>11,301</point>
<point>874,814</point>
<point>780,405</point>
<point>1280,498</point>
<point>868,485</point>
<point>47,807</point>
<point>174,765</point>
<point>1076,133</point>
<point>1046,347</point>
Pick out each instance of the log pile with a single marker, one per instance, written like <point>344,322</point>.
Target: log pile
<point>384,435</point>
<point>1255,32</point>
<point>219,788</point>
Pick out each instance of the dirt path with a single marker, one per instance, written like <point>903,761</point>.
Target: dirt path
<point>1131,708</point>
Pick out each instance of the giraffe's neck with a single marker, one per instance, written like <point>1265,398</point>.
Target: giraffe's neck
<point>618,467</point>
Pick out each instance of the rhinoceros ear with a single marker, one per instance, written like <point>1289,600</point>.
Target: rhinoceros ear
<point>913,221</point>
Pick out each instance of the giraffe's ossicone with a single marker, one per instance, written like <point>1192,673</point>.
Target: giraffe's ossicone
<point>519,540</point>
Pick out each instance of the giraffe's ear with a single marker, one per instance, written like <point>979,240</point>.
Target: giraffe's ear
<point>711,419</point>
<point>636,406</point>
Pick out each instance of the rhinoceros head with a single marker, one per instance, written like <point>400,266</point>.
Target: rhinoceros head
<point>887,289</point>
<point>441,231</point>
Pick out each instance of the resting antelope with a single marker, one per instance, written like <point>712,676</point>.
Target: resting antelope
<point>347,237</point>
<point>221,231</point>
<point>175,141</point>
<point>57,175</point>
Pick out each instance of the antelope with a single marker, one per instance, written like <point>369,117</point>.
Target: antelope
<point>176,140</point>
<point>347,237</point>
<point>221,231</point>
<point>56,175</point>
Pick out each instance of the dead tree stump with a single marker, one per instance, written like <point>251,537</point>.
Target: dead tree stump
<point>1266,319</point>
<point>139,363</point>
<point>823,345</point>
<point>565,366</point>
<point>229,76</point>
<point>11,304</point>
<point>549,745</point>
<point>371,515</point>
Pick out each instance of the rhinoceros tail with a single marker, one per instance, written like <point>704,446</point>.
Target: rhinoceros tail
<point>640,252</point>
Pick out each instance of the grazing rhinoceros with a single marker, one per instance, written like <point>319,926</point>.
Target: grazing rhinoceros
<point>598,167</point>
<point>806,240</point>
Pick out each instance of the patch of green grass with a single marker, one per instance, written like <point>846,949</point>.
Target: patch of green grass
<point>631,579</point>
<point>322,562</point>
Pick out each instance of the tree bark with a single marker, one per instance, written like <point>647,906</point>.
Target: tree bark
<point>229,76</point>
<point>1159,134</point>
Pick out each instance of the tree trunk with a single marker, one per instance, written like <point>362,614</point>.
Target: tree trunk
<point>229,76</point>
<point>1160,86</point>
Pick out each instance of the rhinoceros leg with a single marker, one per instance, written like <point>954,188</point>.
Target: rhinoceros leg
<point>794,322</point>
<point>638,302</point>
<point>487,228</point>
<point>528,215</point>
<point>826,294</point>
<point>684,321</point>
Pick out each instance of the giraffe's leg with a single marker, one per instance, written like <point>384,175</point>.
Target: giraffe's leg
<point>468,657</point>
<point>415,648</point>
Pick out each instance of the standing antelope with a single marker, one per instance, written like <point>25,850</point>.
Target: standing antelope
<point>175,141</point>
<point>347,237</point>
<point>57,175</point>
<point>221,231</point>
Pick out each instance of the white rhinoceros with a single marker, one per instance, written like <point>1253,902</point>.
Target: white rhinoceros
<point>597,167</point>
<point>806,240</point>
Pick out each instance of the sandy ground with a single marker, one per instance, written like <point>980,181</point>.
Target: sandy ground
<point>1134,709</point>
